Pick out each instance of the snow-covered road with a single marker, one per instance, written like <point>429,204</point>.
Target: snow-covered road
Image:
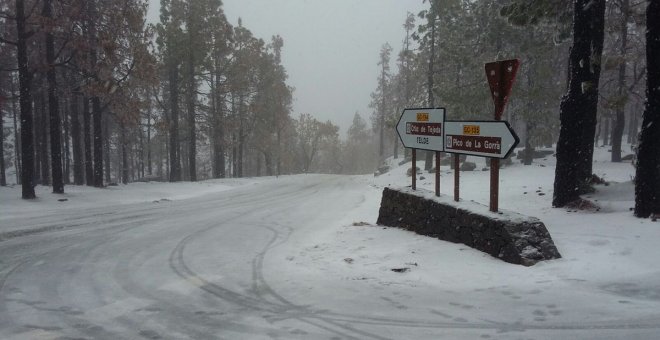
<point>283,259</point>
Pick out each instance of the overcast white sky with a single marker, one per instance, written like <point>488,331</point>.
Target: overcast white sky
<point>331,47</point>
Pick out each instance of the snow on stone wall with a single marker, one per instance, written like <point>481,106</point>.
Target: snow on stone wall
<point>508,236</point>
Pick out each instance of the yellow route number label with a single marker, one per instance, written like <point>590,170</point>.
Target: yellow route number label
<point>471,130</point>
<point>422,117</point>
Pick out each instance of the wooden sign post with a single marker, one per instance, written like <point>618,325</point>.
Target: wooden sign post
<point>501,75</point>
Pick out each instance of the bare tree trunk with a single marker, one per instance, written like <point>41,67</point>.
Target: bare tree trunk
<point>620,119</point>
<point>87,135</point>
<point>107,166</point>
<point>53,107</point>
<point>381,120</point>
<point>578,109</point>
<point>66,154</point>
<point>234,161</point>
<point>599,129</point>
<point>27,146</point>
<point>140,152</point>
<point>96,101</point>
<point>78,161</point>
<point>149,138</point>
<point>647,179</point>
<point>17,143</point>
<point>3,178</point>
<point>217,128</point>
<point>241,138</point>
<point>428,163</point>
<point>192,93</point>
<point>279,152</point>
<point>97,119</point>
<point>42,125</point>
<point>175,164</point>
<point>632,129</point>
<point>268,158</point>
<point>528,154</point>
<point>124,156</point>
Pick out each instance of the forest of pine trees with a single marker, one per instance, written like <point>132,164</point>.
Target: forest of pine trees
<point>580,86</point>
<point>90,93</point>
<point>95,95</point>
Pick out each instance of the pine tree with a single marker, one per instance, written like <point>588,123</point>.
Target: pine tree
<point>380,100</point>
<point>169,37</point>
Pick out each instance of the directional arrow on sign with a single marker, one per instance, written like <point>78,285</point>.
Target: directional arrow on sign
<point>494,139</point>
<point>422,129</point>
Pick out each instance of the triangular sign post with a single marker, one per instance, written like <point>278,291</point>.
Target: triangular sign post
<point>501,75</point>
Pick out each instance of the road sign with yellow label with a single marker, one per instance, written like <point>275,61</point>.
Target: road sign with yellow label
<point>494,139</point>
<point>422,129</point>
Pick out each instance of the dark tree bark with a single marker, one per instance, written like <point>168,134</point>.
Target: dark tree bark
<point>619,122</point>
<point>87,126</point>
<point>241,151</point>
<point>528,153</point>
<point>578,109</point>
<point>97,123</point>
<point>234,161</point>
<point>53,107</point>
<point>3,178</point>
<point>25,79</point>
<point>149,138</point>
<point>241,139</point>
<point>381,118</point>
<point>268,159</point>
<point>106,148</point>
<point>97,119</point>
<point>17,146</point>
<point>190,103</point>
<point>647,179</point>
<point>78,161</point>
<point>66,153</point>
<point>634,122</point>
<point>175,163</point>
<point>124,156</point>
<point>42,139</point>
<point>428,163</point>
<point>217,129</point>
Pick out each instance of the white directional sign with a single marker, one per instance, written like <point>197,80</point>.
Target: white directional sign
<point>494,139</point>
<point>422,129</point>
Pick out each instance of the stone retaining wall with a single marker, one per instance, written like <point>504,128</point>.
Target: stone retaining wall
<point>508,236</point>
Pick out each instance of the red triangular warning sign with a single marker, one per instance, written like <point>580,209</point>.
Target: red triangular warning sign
<point>501,75</point>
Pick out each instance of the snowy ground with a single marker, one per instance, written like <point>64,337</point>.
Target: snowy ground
<point>289,258</point>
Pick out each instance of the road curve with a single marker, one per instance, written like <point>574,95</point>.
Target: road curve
<point>215,267</point>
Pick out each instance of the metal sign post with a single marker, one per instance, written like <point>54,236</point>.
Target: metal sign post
<point>501,75</point>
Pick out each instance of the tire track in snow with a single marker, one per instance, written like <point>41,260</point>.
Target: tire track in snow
<point>284,307</point>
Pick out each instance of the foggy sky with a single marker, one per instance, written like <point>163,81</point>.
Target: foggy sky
<point>331,47</point>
